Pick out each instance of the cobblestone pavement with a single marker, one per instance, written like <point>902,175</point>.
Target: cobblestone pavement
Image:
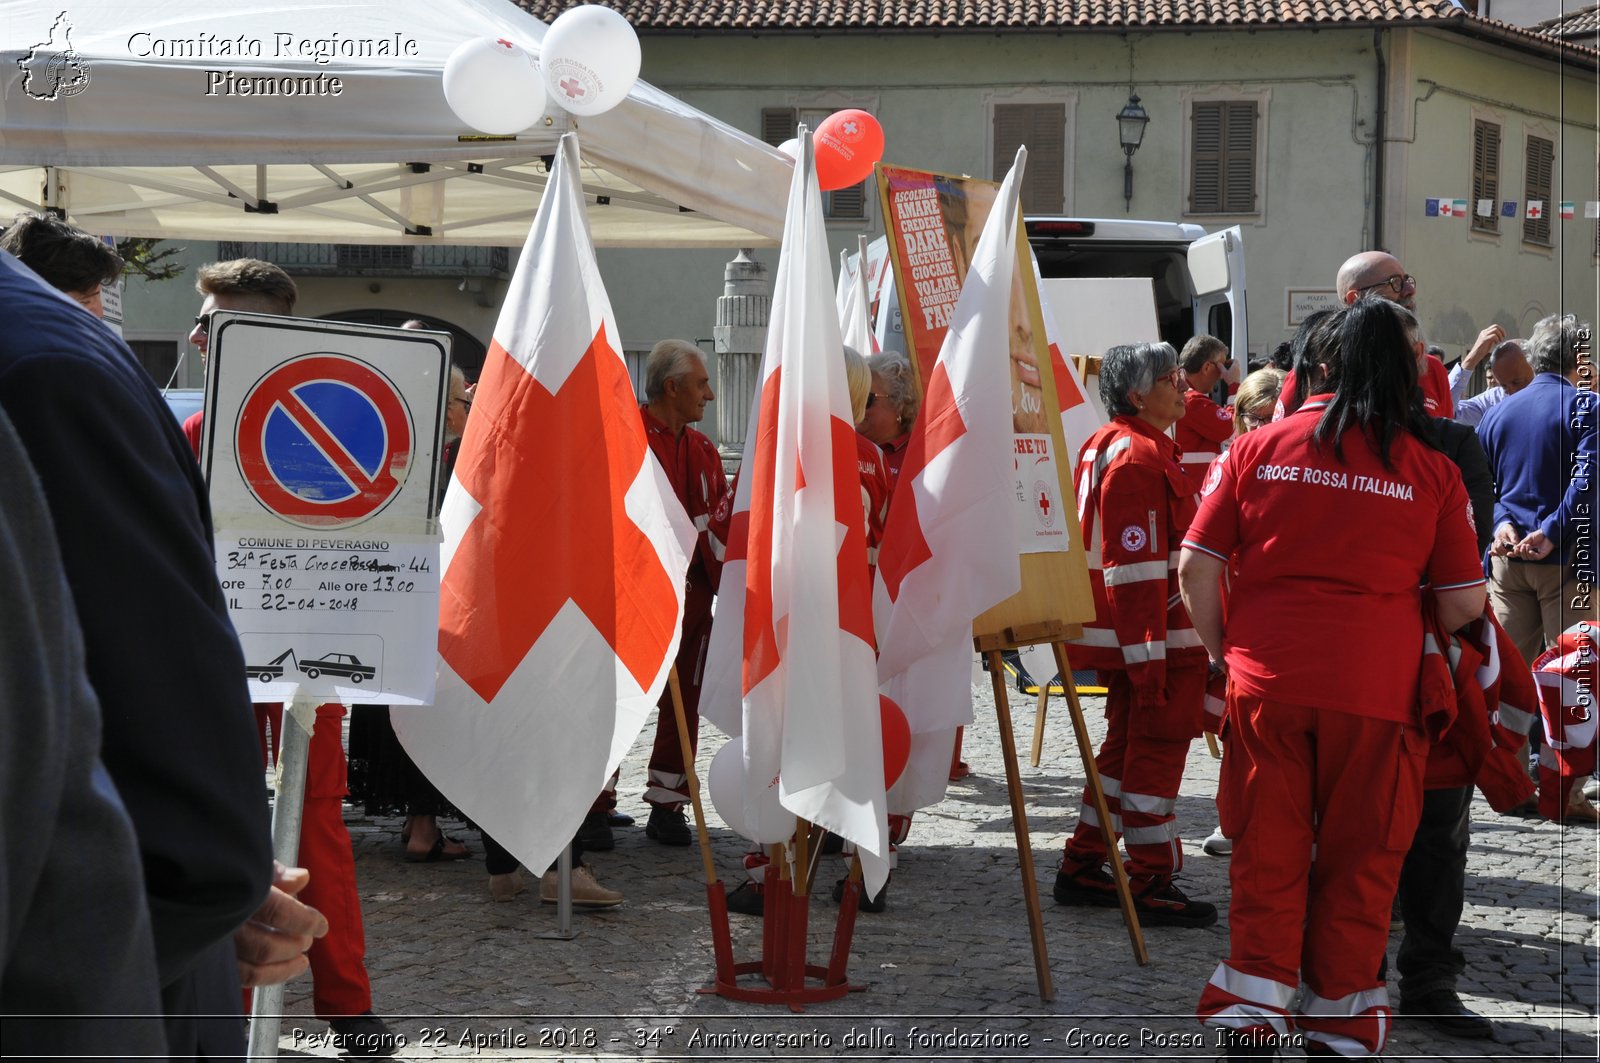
<point>946,972</point>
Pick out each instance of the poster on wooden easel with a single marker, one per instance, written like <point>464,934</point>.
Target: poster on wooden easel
<point>933,222</point>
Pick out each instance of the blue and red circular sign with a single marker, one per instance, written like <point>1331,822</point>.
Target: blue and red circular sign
<point>324,441</point>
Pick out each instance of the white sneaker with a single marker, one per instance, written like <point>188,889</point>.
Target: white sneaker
<point>1218,844</point>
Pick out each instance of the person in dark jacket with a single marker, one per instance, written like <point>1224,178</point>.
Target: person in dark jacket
<point>133,525</point>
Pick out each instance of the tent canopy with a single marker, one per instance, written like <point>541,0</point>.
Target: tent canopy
<point>125,116</point>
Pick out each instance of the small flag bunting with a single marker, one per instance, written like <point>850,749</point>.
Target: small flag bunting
<point>1535,209</point>
<point>1459,208</point>
<point>1485,208</point>
<point>1430,207</point>
<point>1508,209</point>
<point>1566,210</point>
<point>1591,208</point>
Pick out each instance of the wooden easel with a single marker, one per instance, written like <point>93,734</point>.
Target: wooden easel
<point>1055,633</point>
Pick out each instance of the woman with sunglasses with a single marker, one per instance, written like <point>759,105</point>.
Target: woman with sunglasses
<point>1204,426</point>
<point>1135,502</point>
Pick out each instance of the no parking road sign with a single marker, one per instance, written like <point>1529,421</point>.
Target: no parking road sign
<point>322,455</point>
<point>324,441</point>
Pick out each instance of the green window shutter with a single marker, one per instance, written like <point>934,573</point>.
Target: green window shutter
<point>1540,173</point>
<point>1205,168</point>
<point>1485,174</point>
<point>778,124</point>
<point>1042,127</point>
<point>1239,168</point>
<point>1222,167</point>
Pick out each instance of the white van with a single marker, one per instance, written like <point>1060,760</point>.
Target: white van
<point>1197,281</point>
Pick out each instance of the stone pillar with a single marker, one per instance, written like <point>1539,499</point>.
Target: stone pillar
<point>739,336</point>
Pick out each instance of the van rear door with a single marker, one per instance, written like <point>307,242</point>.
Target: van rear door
<point>1216,271</point>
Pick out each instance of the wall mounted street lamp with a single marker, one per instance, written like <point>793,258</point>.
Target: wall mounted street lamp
<point>1131,121</point>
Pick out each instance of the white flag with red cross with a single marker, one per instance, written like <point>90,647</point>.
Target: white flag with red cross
<point>565,549</point>
<point>948,551</point>
<point>791,664</point>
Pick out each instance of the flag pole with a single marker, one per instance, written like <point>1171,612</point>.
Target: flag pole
<point>707,863</point>
<point>716,896</point>
<point>288,808</point>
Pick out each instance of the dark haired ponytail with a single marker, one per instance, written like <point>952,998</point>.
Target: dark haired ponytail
<point>1374,382</point>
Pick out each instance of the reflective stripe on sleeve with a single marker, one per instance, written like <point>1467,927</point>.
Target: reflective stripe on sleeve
<point>1514,719</point>
<point>1137,572</point>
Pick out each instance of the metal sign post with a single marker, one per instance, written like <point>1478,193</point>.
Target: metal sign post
<point>266,1002</point>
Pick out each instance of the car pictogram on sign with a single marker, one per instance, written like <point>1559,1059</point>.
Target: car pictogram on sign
<point>324,441</point>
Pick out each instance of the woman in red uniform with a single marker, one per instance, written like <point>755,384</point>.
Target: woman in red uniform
<point>1337,515</point>
<point>1205,428</point>
<point>1134,502</point>
<point>891,409</point>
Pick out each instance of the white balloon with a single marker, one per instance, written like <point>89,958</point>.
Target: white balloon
<point>791,147</point>
<point>764,820</point>
<point>590,58</point>
<point>494,86</point>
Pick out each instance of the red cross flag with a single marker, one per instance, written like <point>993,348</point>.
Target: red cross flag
<point>564,557</point>
<point>791,663</point>
<point>949,547</point>
<point>1535,209</point>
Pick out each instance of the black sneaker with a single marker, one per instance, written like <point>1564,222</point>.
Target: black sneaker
<point>668,826</point>
<point>364,1035</point>
<point>1164,904</point>
<point>1443,1009</point>
<point>1091,886</point>
<point>747,900</point>
<point>865,904</point>
<point>595,833</point>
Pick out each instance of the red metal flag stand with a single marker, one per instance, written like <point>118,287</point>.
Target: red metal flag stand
<point>789,978</point>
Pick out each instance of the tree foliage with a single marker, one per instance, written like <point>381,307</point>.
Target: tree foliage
<point>143,257</point>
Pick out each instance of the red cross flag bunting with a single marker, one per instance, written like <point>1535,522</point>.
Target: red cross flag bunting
<point>564,557</point>
<point>791,666</point>
<point>946,555</point>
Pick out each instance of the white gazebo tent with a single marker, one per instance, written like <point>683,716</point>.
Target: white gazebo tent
<point>125,117</point>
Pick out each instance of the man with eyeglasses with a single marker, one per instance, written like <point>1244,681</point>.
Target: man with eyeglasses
<point>1205,425</point>
<point>340,987</point>
<point>1380,273</point>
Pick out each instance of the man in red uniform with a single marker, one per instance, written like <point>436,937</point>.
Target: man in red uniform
<point>1134,503</point>
<point>341,990</point>
<point>1205,426</point>
<point>677,388</point>
<point>1322,783</point>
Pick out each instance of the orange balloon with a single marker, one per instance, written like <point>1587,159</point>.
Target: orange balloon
<point>848,144</point>
<point>896,739</point>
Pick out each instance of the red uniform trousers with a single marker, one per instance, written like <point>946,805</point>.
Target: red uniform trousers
<point>1321,806</point>
<point>667,782</point>
<point>339,982</point>
<point>1141,766</point>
